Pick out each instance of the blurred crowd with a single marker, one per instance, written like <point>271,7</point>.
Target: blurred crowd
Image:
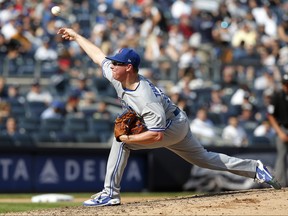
<point>219,60</point>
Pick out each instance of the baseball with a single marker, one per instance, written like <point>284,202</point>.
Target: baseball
<point>56,10</point>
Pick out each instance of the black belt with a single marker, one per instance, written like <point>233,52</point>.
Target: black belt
<point>176,111</point>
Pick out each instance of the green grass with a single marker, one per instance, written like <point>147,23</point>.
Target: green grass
<point>6,207</point>
<point>21,207</point>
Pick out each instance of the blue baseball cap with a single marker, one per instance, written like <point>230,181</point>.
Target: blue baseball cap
<point>58,104</point>
<point>126,56</point>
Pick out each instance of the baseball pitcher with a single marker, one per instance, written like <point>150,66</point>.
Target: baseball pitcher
<point>165,125</point>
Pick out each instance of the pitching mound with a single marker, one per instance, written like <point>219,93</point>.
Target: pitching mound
<point>250,202</point>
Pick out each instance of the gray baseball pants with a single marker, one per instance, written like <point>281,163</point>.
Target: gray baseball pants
<point>281,160</point>
<point>179,139</point>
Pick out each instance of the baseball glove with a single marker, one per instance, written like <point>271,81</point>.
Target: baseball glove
<point>128,123</point>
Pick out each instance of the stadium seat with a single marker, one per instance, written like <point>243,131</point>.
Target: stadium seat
<point>65,137</point>
<point>86,137</point>
<point>28,67</point>
<point>260,142</point>
<point>51,124</point>
<point>203,95</point>
<point>215,118</point>
<point>18,111</point>
<point>12,65</point>
<point>29,124</point>
<point>49,68</point>
<point>6,141</point>
<point>102,127</point>
<point>249,127</point>
<point>35,108</point>
<point>44,137</point>
<point>75,124</point>
<point>23,140</point>
<point>104,88</point>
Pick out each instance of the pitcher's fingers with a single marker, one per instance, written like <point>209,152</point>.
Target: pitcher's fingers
<point>60,31</point>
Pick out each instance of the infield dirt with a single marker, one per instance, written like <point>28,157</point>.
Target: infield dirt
<point>250,202</point>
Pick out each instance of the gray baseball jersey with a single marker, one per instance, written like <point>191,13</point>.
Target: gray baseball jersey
<point>160,114</point>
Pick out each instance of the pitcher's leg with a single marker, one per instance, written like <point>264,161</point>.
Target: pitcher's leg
<point>117,162</point>
<point>193,152</point>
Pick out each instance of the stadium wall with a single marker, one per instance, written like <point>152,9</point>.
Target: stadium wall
<point>83,170</point>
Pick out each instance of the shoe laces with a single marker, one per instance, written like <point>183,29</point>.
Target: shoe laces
<point>98,195</point>
<point>262,173</point>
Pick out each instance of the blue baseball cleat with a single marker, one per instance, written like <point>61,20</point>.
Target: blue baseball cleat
<point>264,176</point>
<point>101,199</point>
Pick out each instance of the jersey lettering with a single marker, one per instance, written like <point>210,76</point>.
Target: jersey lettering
<point>158,92</point>
<point>123,103</point>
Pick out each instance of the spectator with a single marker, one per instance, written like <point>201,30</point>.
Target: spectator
<point>36,93</point>
<point>3,47</point>
<point>175,39</point>
<point>18,135</point>
<point>234,134</point>
<point>11,127</point>
<point>81,87</point>
<point>154,43</point>
<point>185,26</point>
<point>202,127</point>
<point>263,15</point>
<point>103,112</point>
<point>3,88</point>
<point>189,81</point>
<point>282,30</point>
<point>189,58</point>
<point>100,36</point>
<point>43,13</point>
<point>239,96</point>
<point>7,12</point>
<point>88,101</point>
<point>8,29</point>
<point>182,101</point>
<point>5,110</point>
<point>72,104</point>
<point>55,110</point>
<point>265,129</point>
<point>247,114</point>
<point>266,56</point>
<point>245,34</point>
<point>20,36</point>
<point>46,51</point>
<point>154,21</point>
<point>163,63</point>
<point>14,94</point>
<point>180,8</point>
<point>265,80</point>
<point>221,33</point>
<point>228,83</point>
<point>203,25</point>
<point>216,103</point>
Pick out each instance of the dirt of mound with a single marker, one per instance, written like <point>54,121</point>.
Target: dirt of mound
<point>250,202</point>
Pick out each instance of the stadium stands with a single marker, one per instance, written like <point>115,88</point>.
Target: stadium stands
<point>200,53</point>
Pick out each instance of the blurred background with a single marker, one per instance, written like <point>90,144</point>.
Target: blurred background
<point>219,61</point>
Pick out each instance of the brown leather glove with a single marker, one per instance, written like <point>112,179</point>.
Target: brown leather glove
<point>128,123</point>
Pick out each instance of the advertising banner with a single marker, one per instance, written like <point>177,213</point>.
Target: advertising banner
<point>56,173</point>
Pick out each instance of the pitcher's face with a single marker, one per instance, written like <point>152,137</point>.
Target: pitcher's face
<point>119,70</point>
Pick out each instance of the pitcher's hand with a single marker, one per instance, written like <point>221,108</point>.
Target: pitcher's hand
<point>283,136</point>
<point>67,33</point>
